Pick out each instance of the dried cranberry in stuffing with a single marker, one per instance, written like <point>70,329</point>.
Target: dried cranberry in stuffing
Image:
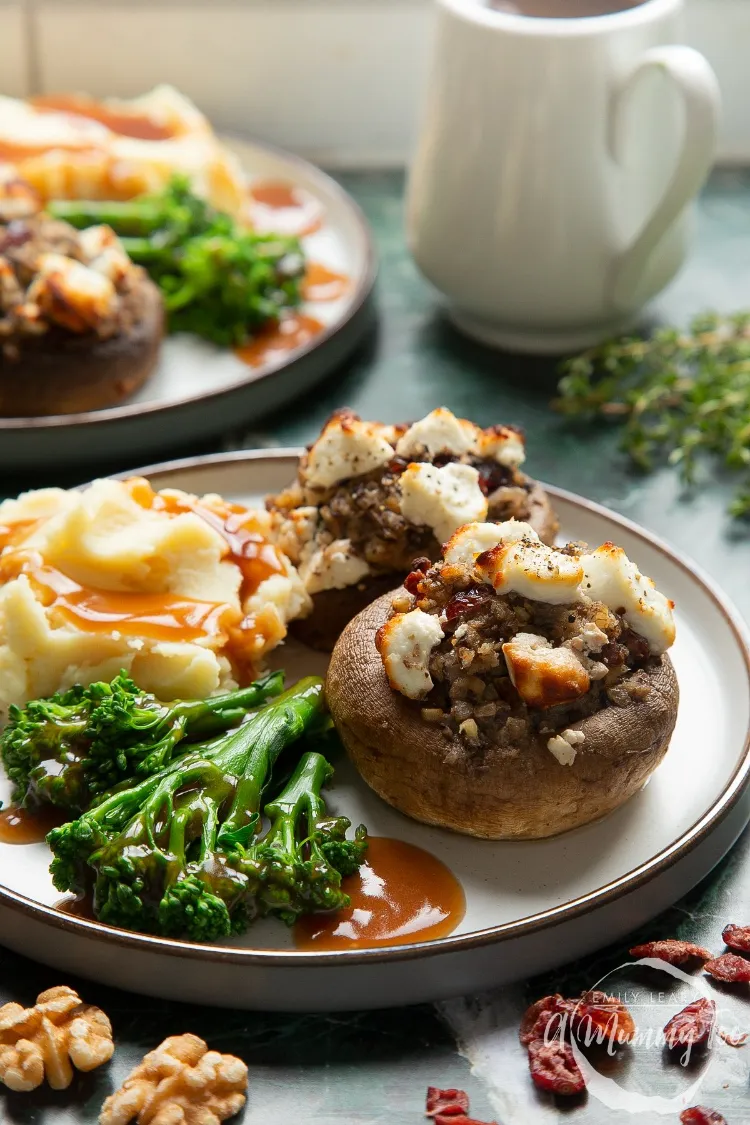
<point>699,1115</point>
<point>449,1103</point>
<point>543,1019</point>
<point>729,967</point>
<point>397,465</point>
<point>692,1026</point>
<point>612,654</point>
<point>672,951</point>
<point>15,234</point>
<point>419,568</point>
<point>493,476</point>
<point>599,1018</point>
<point>466,602</point>
<point>553,1067</point>
<point>737,938</point>
<point>636,645</point>
<point>411,582</point>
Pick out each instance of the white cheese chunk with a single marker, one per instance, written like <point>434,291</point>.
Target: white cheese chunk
<point>440,432</point>
<point>502,444</point>
<point>611,577</point>
<point>474,539</point>
<point>563,746</point>
<point>346,448</point>
<point>333,567</point>
<point>441,498</point>
<point>70,293</point>
<point>542,675</point>
<point>533,570</point>
<point>104,252</point>
<point>406,642</point>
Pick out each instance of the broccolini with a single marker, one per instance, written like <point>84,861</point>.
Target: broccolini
<point>77,744</point>
<point>178,853</point>
<point>217,280</point>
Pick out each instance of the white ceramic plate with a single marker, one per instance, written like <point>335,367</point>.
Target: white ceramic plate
<point>530,905</point>
<point>199,389</point>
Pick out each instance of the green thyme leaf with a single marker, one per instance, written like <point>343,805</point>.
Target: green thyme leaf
<point>683,398</point>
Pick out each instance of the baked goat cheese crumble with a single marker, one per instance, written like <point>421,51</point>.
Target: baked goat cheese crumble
<point>441,497</point>
<point>603,615</point>
<point>405,643</point>
<point>564,745</point>
<point>435,498</point>
<point>518,562</point>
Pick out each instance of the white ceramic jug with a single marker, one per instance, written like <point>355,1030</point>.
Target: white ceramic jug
<point>548,196</point>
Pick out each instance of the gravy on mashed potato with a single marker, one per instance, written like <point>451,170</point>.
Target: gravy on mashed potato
<point>186,594</point>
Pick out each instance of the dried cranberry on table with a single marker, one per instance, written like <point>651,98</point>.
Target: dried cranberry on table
<point>599,1018</point>
<point>699,1115</point>
<point>450,1103</point>
<point>554,1069</point>
<point>732,1040</point>
<point>692,1026</point>
<point>729,968</point>
<point>737,938</point>
<point>544,1019</point>
<point>672,951</point>
<point>450,1107</point>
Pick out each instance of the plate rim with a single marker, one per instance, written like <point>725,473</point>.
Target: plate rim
<point>115,414</point>
<point>493,935</point>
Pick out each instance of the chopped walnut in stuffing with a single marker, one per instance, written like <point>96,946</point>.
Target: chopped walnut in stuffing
<point>180,1083</point>
<point>48,1040</point>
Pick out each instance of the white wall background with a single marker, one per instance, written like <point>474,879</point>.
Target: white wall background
<point>337,80</point>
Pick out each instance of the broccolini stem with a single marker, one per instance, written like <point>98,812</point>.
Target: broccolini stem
<point>133,216</point>
<point>301,794</point>
<point>144,252</point>
<point>280,723</point>
<point>216,714</point>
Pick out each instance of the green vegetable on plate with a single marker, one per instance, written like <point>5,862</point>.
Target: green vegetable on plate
<point>182,853</point>
<point>77,744</point>
<point>218,280</point>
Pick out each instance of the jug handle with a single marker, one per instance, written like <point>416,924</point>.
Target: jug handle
<point>698,87</point>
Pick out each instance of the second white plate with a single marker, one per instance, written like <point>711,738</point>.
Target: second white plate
<point>530,905</point>
<point>199,389</point>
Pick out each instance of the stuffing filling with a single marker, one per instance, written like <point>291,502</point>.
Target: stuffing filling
<point>505,639</point>
<point>55,280</point>
<point>384,495</point>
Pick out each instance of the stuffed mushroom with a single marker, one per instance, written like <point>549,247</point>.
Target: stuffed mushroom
<point>512,690</point>
<point>370,498</point>
<point>80,324</point>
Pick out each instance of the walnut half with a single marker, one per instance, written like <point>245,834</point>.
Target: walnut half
<point>48,1040</point>
<point>180,1083</point>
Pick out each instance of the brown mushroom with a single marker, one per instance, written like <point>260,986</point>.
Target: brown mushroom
<point>62,372</point>
<point>430,774</point>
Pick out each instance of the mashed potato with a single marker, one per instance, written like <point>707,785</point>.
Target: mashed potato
<point>74,147</point>
<point>186,594</point>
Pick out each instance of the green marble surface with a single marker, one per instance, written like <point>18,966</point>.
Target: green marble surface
<point>374,1067</point>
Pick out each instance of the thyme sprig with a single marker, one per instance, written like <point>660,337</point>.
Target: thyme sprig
<point>682,395</point>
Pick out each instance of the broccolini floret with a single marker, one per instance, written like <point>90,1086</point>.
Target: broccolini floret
<point>305,852</point>
<point>177,853</point>
<point>217,280</point>
<point>68,749</point>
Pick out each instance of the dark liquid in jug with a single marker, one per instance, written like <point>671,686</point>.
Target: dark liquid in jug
<point>563,9</point>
